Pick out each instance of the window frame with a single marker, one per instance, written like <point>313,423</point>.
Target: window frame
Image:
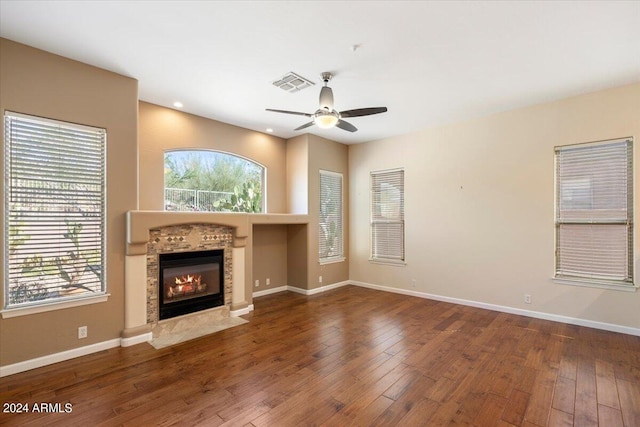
<point>375,256</point>
<point>98,228</point>
<point>584,189</point>
<point>339,257</point>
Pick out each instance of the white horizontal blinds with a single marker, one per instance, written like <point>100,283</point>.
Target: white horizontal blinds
<point>330,240</point>
<point>594,212</point>
<point>387,215</point>
<point>55,204</point>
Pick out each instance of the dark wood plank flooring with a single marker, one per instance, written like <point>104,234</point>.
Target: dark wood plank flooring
<point>351,356</point>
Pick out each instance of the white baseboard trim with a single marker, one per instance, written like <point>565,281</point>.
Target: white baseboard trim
<point>58,357</point>
<point>301,291</point>
<point>317,290</point>
<point>505,309</point>
<point>297,290</point>
<point>138,339</point>
<point>269,291</point>
<point>236,313</point>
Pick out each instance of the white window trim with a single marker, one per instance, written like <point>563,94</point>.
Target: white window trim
<point>53,306</point>
<point>332,260</point>
<point>585,281</point>
<point>386,261</point>
<point>340,257</point>
<point>24,309</point>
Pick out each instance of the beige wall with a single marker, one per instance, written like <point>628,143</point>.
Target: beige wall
<point>480,206</point>
<point>306,156</point>
<point>41,84</point>
<point>298,203</point>
<point>162,129</point>
<point>331,156</point>
<point>297,259</point>
<point>298,175</point>
<point>269,256</point>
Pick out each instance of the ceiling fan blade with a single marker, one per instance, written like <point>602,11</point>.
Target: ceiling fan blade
<point>304,126</point>
<point>358,112</point>
<point>297,113</point>
<point>346,126</point>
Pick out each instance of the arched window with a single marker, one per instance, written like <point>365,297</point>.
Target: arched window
<point>212,181</point>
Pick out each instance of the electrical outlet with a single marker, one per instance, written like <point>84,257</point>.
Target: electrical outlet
<point>527,299</point>
<point>267,282</point>
<point>319,279</point>
<point>82,332</point>
<point>413,283</point>
<point>257,283</point>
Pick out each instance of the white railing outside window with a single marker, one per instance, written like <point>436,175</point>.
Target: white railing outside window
<point>183,199</point>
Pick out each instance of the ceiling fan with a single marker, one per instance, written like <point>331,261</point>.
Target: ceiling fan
<point>326,117</point>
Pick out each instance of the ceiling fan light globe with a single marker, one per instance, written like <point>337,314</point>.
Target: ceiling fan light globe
<point>325,121</point>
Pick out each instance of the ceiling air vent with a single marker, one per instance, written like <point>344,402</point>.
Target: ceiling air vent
<point>291,82</point>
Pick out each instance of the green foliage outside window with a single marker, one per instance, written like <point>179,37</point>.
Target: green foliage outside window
<point>201,180</point>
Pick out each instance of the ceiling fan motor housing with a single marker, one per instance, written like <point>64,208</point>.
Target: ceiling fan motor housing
<point>326,98</point>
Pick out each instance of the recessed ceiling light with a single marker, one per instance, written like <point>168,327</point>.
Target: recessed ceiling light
<point>178,104</point>
<point>269,130</point>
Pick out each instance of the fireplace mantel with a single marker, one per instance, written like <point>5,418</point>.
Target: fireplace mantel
<point>140,222</point>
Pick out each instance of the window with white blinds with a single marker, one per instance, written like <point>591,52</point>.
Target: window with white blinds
<point>55,186</point>
<point>594,212</point>
<point>387,216</point>
<point>330,233</point>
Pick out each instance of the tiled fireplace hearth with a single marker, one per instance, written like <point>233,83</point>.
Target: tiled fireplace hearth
<point>151,233</point>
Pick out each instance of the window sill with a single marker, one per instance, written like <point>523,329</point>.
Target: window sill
<point>331,261</point>
<point>52,306</point>
<point>587,283</point>
<point>398,263</point>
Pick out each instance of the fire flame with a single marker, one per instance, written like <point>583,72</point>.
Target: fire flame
<point>182,280</point>
<point>186,284</point>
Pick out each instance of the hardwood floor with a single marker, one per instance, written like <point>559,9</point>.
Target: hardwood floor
<point>351,356</point>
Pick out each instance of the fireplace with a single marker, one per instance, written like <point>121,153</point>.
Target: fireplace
<point>190,282</point>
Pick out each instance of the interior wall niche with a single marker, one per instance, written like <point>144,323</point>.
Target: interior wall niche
<point>186,238</point>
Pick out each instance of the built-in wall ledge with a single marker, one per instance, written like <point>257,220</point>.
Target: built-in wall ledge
<point>140,222</point>
<point>278,219</point>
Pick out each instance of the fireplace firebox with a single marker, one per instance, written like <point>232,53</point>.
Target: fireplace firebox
<point>190,282</point>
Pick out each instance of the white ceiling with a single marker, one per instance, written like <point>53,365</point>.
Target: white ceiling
<point>430,62</point>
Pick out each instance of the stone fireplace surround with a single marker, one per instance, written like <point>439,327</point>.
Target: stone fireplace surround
<point>186,238</point>
<point>153,232</point>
